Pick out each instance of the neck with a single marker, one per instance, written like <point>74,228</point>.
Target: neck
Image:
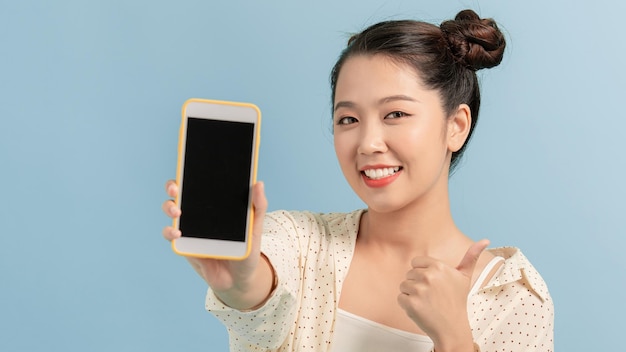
<point>423,228</point>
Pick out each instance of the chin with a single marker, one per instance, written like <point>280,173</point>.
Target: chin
<point>383,209</point>
<point>383,206</point>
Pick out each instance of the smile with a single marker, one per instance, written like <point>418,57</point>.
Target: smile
<point>377,174</point>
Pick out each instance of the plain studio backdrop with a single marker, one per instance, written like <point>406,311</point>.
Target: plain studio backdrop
<point>90,99</point>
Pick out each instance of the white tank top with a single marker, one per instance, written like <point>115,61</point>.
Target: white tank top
<point>354,333</point>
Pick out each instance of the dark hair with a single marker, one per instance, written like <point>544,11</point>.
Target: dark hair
<point>445,57</point>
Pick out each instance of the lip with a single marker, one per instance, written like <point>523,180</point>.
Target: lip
<point>381,182</point>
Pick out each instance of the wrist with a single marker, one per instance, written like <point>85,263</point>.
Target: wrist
<point>274,283</point>
<point>250,294</point>
<point>475,348</point>
<point>463,342</point>
<point>462,347</point>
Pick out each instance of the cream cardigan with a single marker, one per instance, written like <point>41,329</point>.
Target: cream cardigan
<point>311,254</point>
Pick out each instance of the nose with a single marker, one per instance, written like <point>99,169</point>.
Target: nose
<point>372,139</point>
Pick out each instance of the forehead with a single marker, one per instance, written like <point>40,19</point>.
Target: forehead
<point>373,76</point>
<point>364,79</point>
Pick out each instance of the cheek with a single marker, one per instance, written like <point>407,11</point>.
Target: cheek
<point>412,140</point>
<point>340,147</point>
<point>344,151</point>
<point>423,142</point>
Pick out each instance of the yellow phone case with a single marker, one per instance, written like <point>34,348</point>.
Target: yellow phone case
<point>254,172</point>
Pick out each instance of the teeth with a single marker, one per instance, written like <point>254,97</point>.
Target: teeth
<point>380,173</point>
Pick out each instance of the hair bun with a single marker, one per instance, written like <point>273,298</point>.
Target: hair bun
<point>477,43</point>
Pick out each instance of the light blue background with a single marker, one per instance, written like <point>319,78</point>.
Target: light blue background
<point>90,97</point>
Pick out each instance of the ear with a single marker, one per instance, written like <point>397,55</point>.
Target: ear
<point>459,127</point>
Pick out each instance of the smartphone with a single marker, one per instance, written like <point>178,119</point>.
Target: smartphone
<point>217,163</point>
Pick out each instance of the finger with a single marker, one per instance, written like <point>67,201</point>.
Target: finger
<point>260,206</point>
<point>417,274</point>
<point>405,301</point>
<point>408,287</point>
<point>258,196</point>
<point>423,262</point>
<point>170,233</point>
<point>471,257</point>
<point>170,209</point>
<point>171,187</point>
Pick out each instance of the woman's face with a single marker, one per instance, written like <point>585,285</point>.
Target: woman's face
<point>390,134</point>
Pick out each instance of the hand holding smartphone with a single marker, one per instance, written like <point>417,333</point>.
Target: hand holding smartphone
<point>217,163</point>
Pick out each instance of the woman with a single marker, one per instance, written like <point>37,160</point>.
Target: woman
<point>398,276</point>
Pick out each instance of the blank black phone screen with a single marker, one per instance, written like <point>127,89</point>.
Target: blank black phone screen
<point>216,179</point>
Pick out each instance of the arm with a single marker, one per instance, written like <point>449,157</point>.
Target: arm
<point>243,294</point>
<point>267,326</point>
<point>243,284</point>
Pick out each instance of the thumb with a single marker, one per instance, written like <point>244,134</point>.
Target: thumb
<point>260,206</point>
<point>471,257</point>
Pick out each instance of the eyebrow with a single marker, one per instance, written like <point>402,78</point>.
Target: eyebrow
<point>349,104</point>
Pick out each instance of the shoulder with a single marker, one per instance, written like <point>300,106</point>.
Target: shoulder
<point>518,269</point>
<point>305,222</point>
<point>515,303</point>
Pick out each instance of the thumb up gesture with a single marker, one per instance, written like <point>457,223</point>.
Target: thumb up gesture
<point>434,296</point>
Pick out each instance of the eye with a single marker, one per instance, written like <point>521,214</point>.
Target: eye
<point>347,120</point>
<point>396,115</point>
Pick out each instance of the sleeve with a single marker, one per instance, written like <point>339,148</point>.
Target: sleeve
<point>267,328</point>
<point>513,317</point>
